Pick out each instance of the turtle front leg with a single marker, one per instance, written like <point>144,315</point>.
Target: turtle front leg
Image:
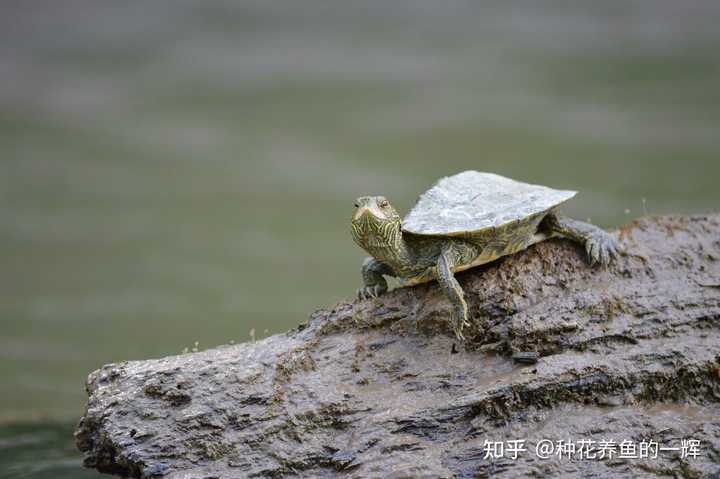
<point>374,284</point>
<point>452,289</point>
<point>600,246</point>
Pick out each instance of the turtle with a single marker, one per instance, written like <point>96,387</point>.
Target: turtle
<point>463,221</point>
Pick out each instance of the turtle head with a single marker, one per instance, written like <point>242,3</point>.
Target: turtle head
<point>375,224</point>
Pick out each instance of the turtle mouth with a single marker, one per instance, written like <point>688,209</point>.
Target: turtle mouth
<point>371,230</point>
<point>371,220</point>
<point>366,214</point>
<point>364,221</point>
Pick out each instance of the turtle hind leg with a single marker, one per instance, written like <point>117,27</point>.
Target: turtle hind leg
<point>374,284</point>
<point>452,289</point>
<point>601,247</point>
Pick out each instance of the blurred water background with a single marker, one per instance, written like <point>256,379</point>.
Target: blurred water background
<point>175,172</point>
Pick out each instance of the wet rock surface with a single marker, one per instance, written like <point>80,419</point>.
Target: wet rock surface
<point>380,388</point>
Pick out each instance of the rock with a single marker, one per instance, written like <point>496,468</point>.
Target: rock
<point>380,388</point>
<point>527,357</point>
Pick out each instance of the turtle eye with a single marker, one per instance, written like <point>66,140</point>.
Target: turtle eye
<point>383,203</point>
<point>356,204</point>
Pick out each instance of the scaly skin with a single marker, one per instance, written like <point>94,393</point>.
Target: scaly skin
<point>377,228</point>
<point>599,245</point>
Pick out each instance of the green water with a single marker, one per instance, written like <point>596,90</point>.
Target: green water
<point>40,451</point>
<point>181,172</point>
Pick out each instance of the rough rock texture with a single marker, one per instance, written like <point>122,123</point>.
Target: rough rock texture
<point>380,388</point>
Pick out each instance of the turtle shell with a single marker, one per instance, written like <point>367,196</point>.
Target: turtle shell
<point>472,201</point>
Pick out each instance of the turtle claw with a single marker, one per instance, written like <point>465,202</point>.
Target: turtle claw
<point>459,334</point>
<point>602,248</point>
<point>457,329</point>
<point>460,321</point>
<point>367,292</point>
